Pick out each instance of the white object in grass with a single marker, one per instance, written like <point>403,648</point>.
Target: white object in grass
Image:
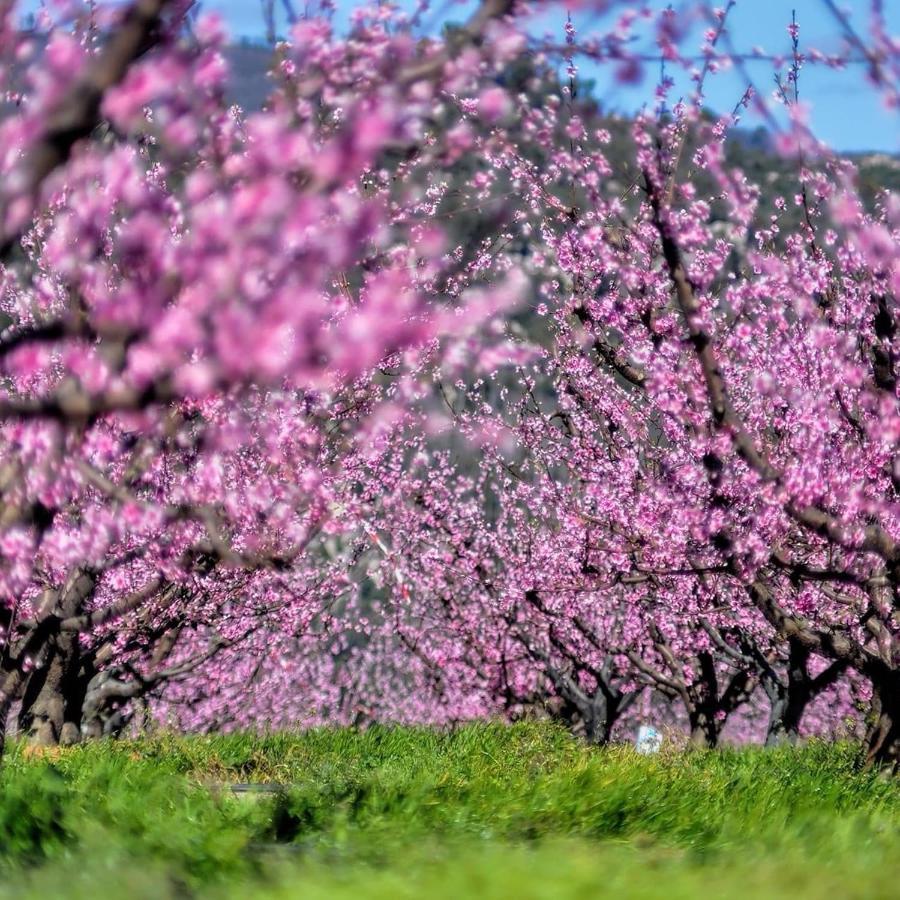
<point>649,740</point>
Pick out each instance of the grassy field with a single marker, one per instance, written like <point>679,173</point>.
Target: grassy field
<point>487,812</point>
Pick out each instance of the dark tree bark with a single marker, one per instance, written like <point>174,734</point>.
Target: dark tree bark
<point>595,714</point>
<point>789,695</point>
<point>599,712</point>
<point>707,708</point>
<point>51,703</point>
<point>883,739</point>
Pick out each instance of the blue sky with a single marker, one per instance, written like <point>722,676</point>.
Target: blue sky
<point>844,111</point>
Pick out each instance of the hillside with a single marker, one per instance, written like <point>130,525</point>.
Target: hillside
<point>249,62</point>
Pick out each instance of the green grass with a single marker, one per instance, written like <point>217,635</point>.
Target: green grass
<point>486,811</point>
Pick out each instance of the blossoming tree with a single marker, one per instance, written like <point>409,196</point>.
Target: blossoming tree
<point>190,293</point>
<point>273,420</point>
<point>696,476</point>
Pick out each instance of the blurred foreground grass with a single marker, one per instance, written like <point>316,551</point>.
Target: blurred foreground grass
<point>487,811</point>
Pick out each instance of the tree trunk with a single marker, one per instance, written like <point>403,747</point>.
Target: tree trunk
<point>800,689</point>
<point>702,703</point>
<point>776,732</point>
<point>54,692</point>
<point>704,728</point>
<point>791,697</point>
<point>104,713</point>
<point>5,706</point>
<point>883,740</point>
<point>51,713</point>
<point>797,701</point>
<point>599,717</point>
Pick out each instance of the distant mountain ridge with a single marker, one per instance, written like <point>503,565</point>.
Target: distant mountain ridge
<point>249,63</point>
